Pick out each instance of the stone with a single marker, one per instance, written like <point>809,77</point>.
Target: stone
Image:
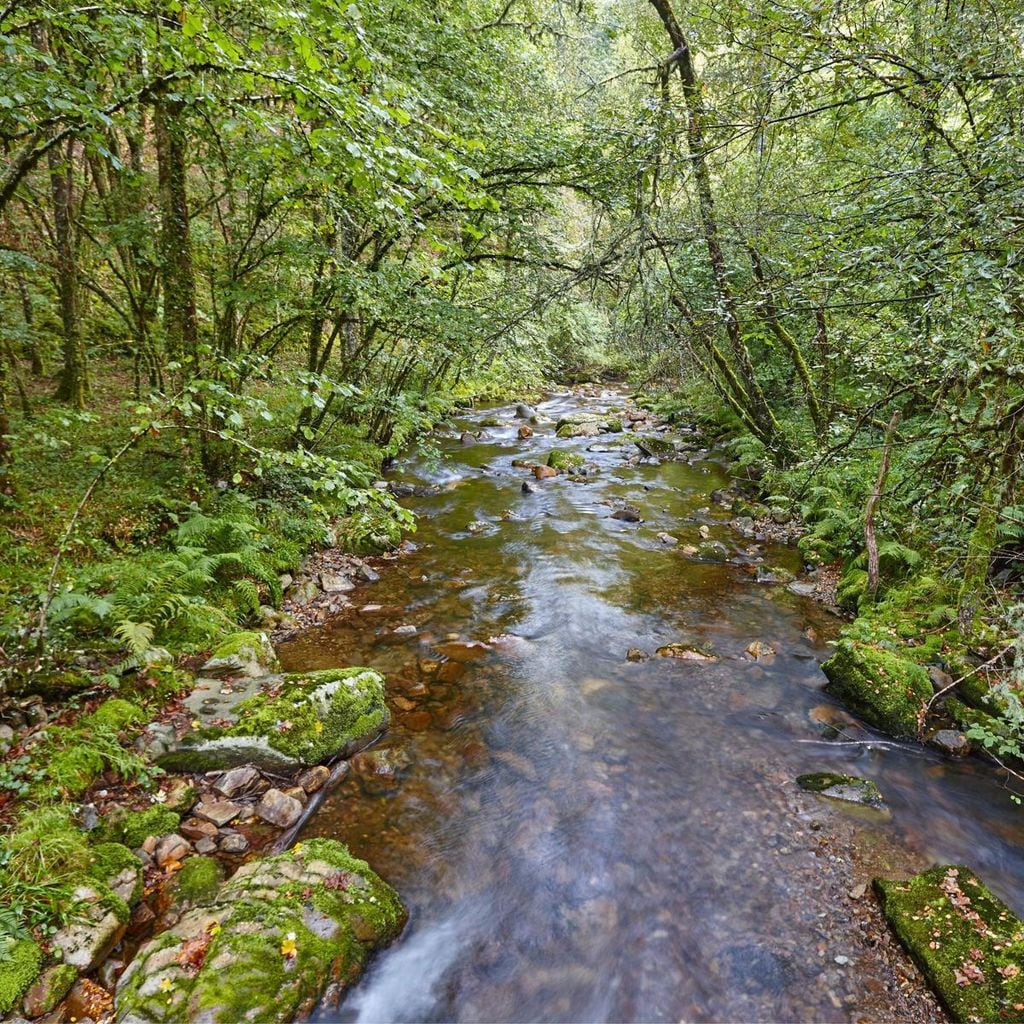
<point>563,461</point>
<point>303,718</point>
<point>297,793</point>
<point>713,551</point>
<point>197,828</point>
<point>627,514</point>
<point>951,742</point>
<point>236,780</point>
<point>51,987</point>
<point>451,671</point>
<point>967,942</point>
<point>524,432</point>
<point>654,447</point>
<point>407,630</point>
<point>465,651</point>
<point>887,691</point>
<point>335,583</point>
<point>379,771</point>
<point>206,845</point>
<point>524,411</point>
<point>636,654</point>
<point>277,808</point>
<point>179,795</point>
<point>544,472</point>
<point>367,574</point>
<point>220,812</point>
<point>760,651</point>
<point>86,941</point>
<point>845,788</point>
<point>317,898</point>
<point>686,652</point>
<point>171,848</point>
<point>242,654</point>
<point>234,843</point>
<point>313,779</point>
<point>466,439</point>
<point>667,539</point>
<point>940,680</point>
<point>529,488</point>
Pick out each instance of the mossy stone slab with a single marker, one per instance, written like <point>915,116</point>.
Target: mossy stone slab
<point>268,944</point>
<point>282,722</point>
<point>887,691</point>
<point>967,942</point>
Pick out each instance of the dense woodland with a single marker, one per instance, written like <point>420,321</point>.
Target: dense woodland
<point>249,251</point>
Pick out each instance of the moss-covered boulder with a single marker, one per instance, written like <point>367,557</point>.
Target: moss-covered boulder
<point>133,828</point>
<point>564,461</point>
<point>850,789</point>
<point>197,883</point>
<point>265,949</point>
<point>242,654</point>
<point>118,869</point>
<point>53,985</point>
<point>303,719</point>
<point>655,447</point>
<point>967,942</point>
<point>887,691</point>
<point>19,967</point>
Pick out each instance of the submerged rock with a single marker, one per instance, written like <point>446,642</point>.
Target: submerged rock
<point>950,741</point>
<point>967,942</point>
<point>849,789</point>
<point>304,718</point>
<point>886,690</point>
<point>268,944</point>
<point>685,652</point>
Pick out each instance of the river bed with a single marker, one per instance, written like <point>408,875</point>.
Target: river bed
<point>581,837</point>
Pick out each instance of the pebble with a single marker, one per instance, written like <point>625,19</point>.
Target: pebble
<point>172,848</point>
<point>234,842</point>
<point>220,812</point>
<point>277,808</point>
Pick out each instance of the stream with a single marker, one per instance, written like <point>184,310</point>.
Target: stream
<point>581,837</point>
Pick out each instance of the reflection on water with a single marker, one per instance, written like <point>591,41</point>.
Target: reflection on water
<point>583,837</point>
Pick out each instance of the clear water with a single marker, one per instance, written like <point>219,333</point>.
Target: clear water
<point>580,837</point>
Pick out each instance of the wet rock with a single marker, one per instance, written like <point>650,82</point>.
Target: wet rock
<point>525,432</point>
<point>233,843</point>
<point>466,439</point>
<point>628,514</point>
<point>366,574</point>
<point>242,654</point>
<point>685,652</point>
<point>288,925</point>
<point>170,849</point>
<point>773,574</point>
<point>451,671</point>
<point>86,941</point>
<point>219,812</point>
<point>205,845</point>
<point>525,412</point>
<point>236,780</point>
<point>379,771</point>
<point>563,461</point>
<point>760,651</point>
<point>713,551</point>
<point>722,498</point>
<point>195,829</point>
<point>847,788</point>
<point>406,630</point>
<point>465,651</point>
<point>655,447</point>
<point>636,654</point>
<point>277,808</point>
<point>886,690</point>
<point>951,742</point>
<point>544,472</point>
<point>313,779</point>
<point>802,588</point>
<point>743,525</point>
<point>667,539</point>
<point>303,719</point>
<point>529,488</point>
<point>52,986</point>
<point>755,969</point>
<point>335,583</point>
<point>940,680</point>
<point>967,942</point>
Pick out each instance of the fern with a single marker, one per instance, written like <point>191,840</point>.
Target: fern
<point>136,636</point>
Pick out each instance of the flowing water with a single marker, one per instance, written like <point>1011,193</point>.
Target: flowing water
<point>581,837</point>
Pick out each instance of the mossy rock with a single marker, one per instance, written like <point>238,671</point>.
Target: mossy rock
<point>849,789</point>
<point>967,942</point>
<point>275,936</point>
<point>135,827</point>
<point>564,461</point>
<point>198,881</point>
<point>305,719</point>
<point>53,985</point>
<point>18,969</point>
<point>887,691</point>
<point>119,869</point>
<point>654,447</point>
<point>242,654</point>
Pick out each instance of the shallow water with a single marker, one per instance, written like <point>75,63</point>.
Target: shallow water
<point>584,838</point>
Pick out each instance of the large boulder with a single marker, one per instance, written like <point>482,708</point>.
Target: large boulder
<point>298,720</point>
<point>887,691</point>
<point>967,942</point>
<point>268,945</point>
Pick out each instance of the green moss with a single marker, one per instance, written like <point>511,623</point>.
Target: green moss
<point>965,940</point>
<point>564,461</point>
<point>327,710</point>
<point>45,845</point>
<point>851,589</point>
<point>198,880</point>
<point>246,643</point>
<point>114,904</point>
<point>136,826</point>
<point>615,426</point>
<point>72,770</point>
<point>109,860</point>
<point>113,715</point>
<point>18,970</point>
<point>848,788</point>
<point>886,690</point>
<point>53,985</point>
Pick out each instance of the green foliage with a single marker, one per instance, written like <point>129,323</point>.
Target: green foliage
<point>133,828</point>
<point>21,961</point>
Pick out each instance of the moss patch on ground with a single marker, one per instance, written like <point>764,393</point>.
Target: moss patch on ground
<point>267,946</point>
<point>136,826</point>
<point>967,942</point>
<point>886,690</point>
<point>198,880</point>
